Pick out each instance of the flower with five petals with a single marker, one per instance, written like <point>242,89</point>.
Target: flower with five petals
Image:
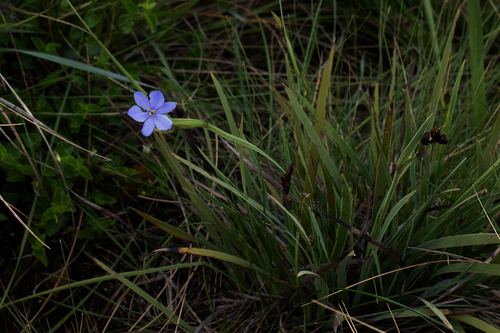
<point>154,114</point>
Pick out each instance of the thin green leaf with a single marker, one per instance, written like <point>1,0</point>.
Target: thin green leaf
<point>477,323</point>
<point>171,316</point>
<point>325,156</point>
<point>217,255</point>
<point>476,49</point>
<point>437,312</point>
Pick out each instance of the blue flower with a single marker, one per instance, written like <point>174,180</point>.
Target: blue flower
<point>155,110</point>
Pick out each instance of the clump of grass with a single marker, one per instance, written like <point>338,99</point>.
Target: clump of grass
<point>203,228</point>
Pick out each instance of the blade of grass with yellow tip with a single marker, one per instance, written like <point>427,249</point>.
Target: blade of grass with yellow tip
<point>217,255</point>
<point>477,323</point>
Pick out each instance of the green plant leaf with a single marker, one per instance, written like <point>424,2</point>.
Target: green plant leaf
<point>152,20</point>
<point>76,65</point>
<point>217,255</point>
<point>170,315</point>
<point>477,323</point>
<point>437,312</point>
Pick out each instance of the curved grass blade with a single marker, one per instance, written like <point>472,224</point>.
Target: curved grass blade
<point>476,49</point>
<point>250,201</point>
<point>171,316</point>
<point>410,148</point>
<point>350,152</point>
<point>217,255</point>
<point>381,179</point>
<point>477,323</point>
<point>451,107</point>
<point>325,156</point>
<point>319,125</point>
<point>225,106</point>
<point>437,312</point>
<point>176,232</point>
<point>468,193</point>
<point>438,84</point>
<point>394,211</point>
<point>76,65</point>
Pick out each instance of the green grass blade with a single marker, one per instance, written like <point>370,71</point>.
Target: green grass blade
<point>477,184</point>
<point>225,106</point>
<point>451,107</point>
<point>350,152</point>
<point>217,255</point>
<point>392,214</point>
<point>477,267</point>
<point>438,84</point>
<point>116,62</point>
<point>381,179</point>
<point>244,143</point>
<point>319,125</point>
<point>171,316</point>
<point>437,312</point>
<point>202,208</point>
<point>477,323</point>
<point>325,157</point>
<point>460,241</point>
<point>432,27</point>
<point>76,65</point>
<point>346,216</point>
<point>476,49</point>
<point>174,231</point>
<point>410,148</point>
<point>489,152</point>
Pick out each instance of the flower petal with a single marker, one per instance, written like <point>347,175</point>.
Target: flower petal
<point>166,108</point>
<point>162,122</point>
<point>157,99</point>
<point>149,127</point>
<point>137,114</point>
<point>141,100</point>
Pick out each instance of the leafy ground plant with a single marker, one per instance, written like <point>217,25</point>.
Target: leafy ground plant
<point>287,167</point>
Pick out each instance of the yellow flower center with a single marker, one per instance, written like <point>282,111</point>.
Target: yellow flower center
<point>151,112</point>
